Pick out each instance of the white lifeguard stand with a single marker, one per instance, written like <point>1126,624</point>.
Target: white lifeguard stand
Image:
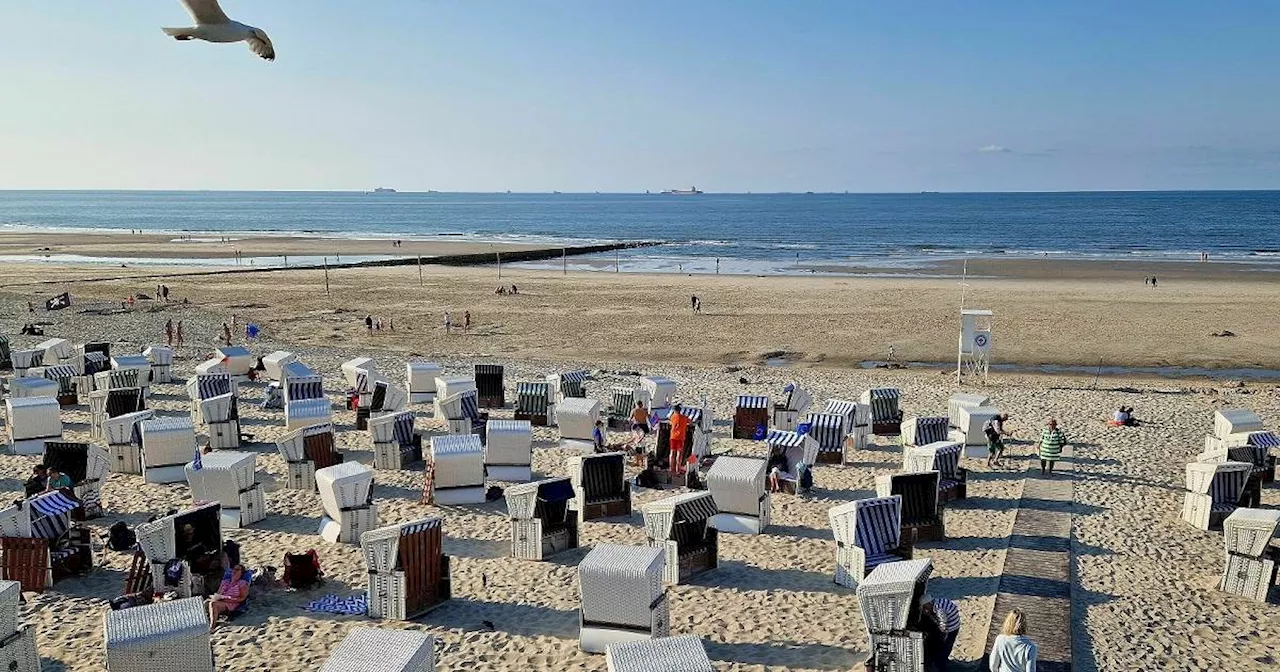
<point>974,356</point>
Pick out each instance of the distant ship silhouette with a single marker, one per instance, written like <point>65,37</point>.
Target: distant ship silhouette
<point>691,191</point>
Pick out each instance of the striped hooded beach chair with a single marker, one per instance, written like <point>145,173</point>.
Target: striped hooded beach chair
<point>600,486</point>
<point>305,450</point>
<point>886,416</point>
<point>800,451</point>
<point>857,421</point>
<point>568,384</point>
<point>622,401</point>
<point>944,458</point>
<point>1213,492</point>
<point>462,413</point>
<point>868,533</point>
<point>534,402</point>
<point>921,514</point>
<point>396,444</point>
<point>542,522</point>
<point>679,526</point>
<point>491,391</point>
<point>408,570</point>
<point>829,430</point>
<point>921,431</point>
<point>889,599</point>
<point>40,544</point>
<point>750,416</point>
<point>65,376</point>
<point>86,465</point>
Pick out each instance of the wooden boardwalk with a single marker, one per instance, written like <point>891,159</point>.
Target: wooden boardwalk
<point>1037,567</point>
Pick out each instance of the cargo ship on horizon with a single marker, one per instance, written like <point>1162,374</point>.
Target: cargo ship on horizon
<point>691,191</point>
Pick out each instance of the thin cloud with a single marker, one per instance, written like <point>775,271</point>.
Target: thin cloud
<point>995,149</point>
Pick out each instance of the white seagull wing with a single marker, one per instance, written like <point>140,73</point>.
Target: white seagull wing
<point>260,44</point>
<point>205,12</point>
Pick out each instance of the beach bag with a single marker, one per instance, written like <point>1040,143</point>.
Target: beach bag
<point>120,538</point>
<point>493,494</point>
<point>806,477</point>
<point>173,573</point>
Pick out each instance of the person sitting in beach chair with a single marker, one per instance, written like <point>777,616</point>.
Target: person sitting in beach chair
<point>231,596</point>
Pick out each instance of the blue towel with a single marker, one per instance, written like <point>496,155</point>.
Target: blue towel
<point>356,605</point>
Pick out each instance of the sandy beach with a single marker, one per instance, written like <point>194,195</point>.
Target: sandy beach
<point>1144,581</point>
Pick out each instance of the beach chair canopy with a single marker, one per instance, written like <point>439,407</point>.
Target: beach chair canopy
<point>547,500</point>
<point>890,595</point>
<point>620,584</point>
<point>343,487</point>
<point>737,484</point>
<point>683,515</point>
<point>874,525</point>
<point>751,401</point>
<point>883,402</point>
<point>1223,481</point>
<point>601,477</point>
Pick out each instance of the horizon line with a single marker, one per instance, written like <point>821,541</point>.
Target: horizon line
<point>643,193</point>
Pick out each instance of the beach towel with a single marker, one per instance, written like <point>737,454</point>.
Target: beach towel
<point>356,605</point>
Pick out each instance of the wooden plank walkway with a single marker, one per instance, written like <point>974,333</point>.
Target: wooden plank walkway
<point>1037,567</point>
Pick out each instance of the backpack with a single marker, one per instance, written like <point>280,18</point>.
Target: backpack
<point>806,478</point>
<point>120,538</point>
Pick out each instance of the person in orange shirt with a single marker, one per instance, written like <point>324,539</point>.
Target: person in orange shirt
<point>679,428</point>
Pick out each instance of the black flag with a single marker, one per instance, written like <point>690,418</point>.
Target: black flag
<point>58,302</point>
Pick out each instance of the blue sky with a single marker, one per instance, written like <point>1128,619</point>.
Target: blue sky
<point>585,95</point>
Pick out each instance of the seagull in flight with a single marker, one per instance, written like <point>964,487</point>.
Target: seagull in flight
<point>212,25</point>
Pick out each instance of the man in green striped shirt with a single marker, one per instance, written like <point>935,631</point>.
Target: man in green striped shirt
<point>1051,442</point>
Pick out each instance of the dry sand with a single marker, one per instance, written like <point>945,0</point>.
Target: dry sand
<point>1143,580</point>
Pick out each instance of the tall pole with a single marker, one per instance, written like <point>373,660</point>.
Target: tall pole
<point>617,266</point>
<point>964,285</point>
<point>420,283</point>
<point>499,264</point>
<point>564,261</point>
<point>326,278</point>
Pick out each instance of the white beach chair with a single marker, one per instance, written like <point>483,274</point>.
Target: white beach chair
<point>576,418</point>
<point>738,485</point>
<point>868,533</point>
<point>138,363</point>
<point>408,570</point>
<point>17,642</point>
<point>24,360</point>
<point>228,478</point>
<point>31,422</point>
<point>961,400</point>
<point>508,450</point>
<point>306,449</point>
<point>1213,492</point>
<point>659,392</point>
<point>1251,561</point>
<point>889,598</point>
<point>684,653</point>
<point>161,359</point>
<point>447,387</point>
<point>600,485</point>
<point>1230,421</point>
<point>797,449</point>
<point>237,360</point>
<point>26,387</point>
<point>56,351</point>
<point>381,650</point>
<point>420,381</point>
<point>679,526</point>
<point>568,384</point>
<point>920,431</point>
<point>970,421</point>
<point>273,364</point>
<point>792,405</point>
<point>396,444</point>
<point>159,637</point>
<point>461,412</point>
<point>346,495</point>
<point>214,404</point>
<point>542,522</point>
<point>455,469</point>
<point>168,444</point>
<point>124,441</point>
<point>164,539</point>
<point>352,369</point>
<point>622,596</point>
<point>858,422</point>
<point>107,404</point>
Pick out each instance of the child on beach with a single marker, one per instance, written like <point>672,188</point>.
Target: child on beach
<point>448,323</point>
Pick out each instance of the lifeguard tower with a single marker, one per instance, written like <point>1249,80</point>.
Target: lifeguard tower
<point>974,356</point>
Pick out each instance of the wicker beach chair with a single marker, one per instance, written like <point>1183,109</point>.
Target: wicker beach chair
<point>273,364</point>
<point>889,598</point>
<point>40,542</point>
<point>161,359</point>
<point>684,653</point>
<point>161,637</point>
<point>1213,492</point>
<point>792,405</point>
<point>622,403</point>
<point>193,537</point>
<point>798,449</point>
<point>123,435</point>
<point>113,403</point>
<point>829,430</point>
<point>508,450</point>
<point>17,642</point>
<point>32,421</point>
<point>656,392</point>
<point>622,596</point>
<point>346,496</point>
<point>577,418</point>
<point>568,384</point>
<point>408,570</point>
<point>455,465</point>
<point>920,431</point>
<point>33,385</point>
<point>600,485</point>
<point>86,465</point>
<point>461,412</point>
<point>229,478</point>
<point>167,446</point>
<point>237,360</point>
<point>534,403</point>
<point>857,422</point>
<point>420,381</point>
<point>738,485</point>
<point>921,515</point>
<point>64,375</point>
<point>542,523</point>
<point>305,450</point>
<point>490,388</point>
<point>1250,566</point>
<point>886,416</point>
<point>679,526</point>
<point>944,458</point>
<point>868,534</point>
<point>396,444</point>
<point>380,650</point>
<point>750,416</point>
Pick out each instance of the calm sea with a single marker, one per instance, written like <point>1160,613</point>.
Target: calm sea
<point>748,233</point>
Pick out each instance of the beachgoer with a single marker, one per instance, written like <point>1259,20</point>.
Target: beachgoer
<point>1146,280</point>
<point>132,300</point>
<point>180,340</point>
<point>168,332</point>
<point>226,333</point>
<point>947,615</point>
<point>164,289</point>
<point>57,480</point>
<point>777,464</point>
<point>1013,651</point>
<point>1052,441</point>
<point>679,429</point>
<point>466,321</point>
<point>597,436</point>
<point>38,482</point>
<point>1153,282</point>
<point>994,430</point>
<point>31,307</point>
<point>891,352</point>
<point>391,325</point>
<point>717,265</point>
<point>514,289</point>
<point>697,306</point>
<point>693,303</point>
<point>232,592</point>
<point>448,322</point>
<point>377,324</point>
<point>368,324</point>
<point>640,419</point>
